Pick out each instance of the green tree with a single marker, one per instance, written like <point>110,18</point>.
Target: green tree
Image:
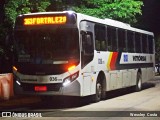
<point>122,10</point>
<point>16,7</point>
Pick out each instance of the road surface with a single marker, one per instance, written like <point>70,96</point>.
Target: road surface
<point>124,103</point>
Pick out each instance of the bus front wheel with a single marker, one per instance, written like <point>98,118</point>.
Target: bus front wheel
<point>99,92</point>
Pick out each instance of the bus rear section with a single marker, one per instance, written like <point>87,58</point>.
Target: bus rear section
<point>46,54</point>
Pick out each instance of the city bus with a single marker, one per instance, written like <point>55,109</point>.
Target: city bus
<point>72,54</point>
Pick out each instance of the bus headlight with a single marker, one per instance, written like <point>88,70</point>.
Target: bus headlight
<point>70,78</point>
<point>17,80</point>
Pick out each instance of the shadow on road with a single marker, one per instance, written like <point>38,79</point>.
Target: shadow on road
<point>148,85</point>
<point>124,91</point>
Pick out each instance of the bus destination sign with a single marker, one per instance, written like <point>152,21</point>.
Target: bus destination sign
<point>45,20</point>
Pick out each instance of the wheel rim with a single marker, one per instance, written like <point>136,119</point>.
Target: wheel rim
<point>139,84</point>
<point>99,90</point>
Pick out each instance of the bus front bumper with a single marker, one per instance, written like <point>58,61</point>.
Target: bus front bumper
<point>73,89</point>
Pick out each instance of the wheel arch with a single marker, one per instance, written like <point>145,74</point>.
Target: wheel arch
<point>139,71</point>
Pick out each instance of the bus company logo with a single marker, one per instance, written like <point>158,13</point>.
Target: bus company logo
<point>139,58</point>
<point>125,58</point>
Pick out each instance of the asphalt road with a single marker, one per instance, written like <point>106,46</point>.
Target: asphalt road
<point>124,103</point>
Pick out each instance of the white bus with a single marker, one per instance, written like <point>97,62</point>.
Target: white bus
<point>72,54</point>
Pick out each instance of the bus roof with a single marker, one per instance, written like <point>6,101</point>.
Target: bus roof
<point>43,13</point>
<point>113,23</point>
<point>106,21</point>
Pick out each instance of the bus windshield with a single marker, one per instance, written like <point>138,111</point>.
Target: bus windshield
<point>44,46</point>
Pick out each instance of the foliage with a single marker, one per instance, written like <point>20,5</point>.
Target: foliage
<point>122,10</point>
<point>16,7</point>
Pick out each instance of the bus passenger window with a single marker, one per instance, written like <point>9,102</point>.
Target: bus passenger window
<point>121,40</point>
<point>144,44</point>
<point>138,42</point>
<point>100,33</point>
<point>112,38</point>
<point>130,41</point>
<point>150,43</point>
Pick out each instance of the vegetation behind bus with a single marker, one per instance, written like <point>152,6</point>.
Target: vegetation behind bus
<point>122,10</point>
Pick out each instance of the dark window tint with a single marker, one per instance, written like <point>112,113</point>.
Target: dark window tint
<point>150,43</point>
<point>138,42</point>
<point>87,43</point>
<point>144,44</point>
<point>130,41</point>
<point>100,39</point>
<point>112,39</point>
<point>121,40</point>
<point>47,44</point>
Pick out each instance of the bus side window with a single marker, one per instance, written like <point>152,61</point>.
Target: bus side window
<point>109,42</point>
<point>144,44</point>
<point>150,43</point>
<point>112,38</point>
<point>138,42</point>
<point>87,43</point>
<point>130,41</point>
<point>121,40</point>
<point>100,33</point>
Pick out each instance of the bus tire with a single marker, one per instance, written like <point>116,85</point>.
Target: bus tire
<point>138,86</point>
<point>100,89</point>
<point>97,96</point>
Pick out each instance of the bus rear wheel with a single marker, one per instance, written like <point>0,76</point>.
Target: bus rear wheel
<point>139,82</point>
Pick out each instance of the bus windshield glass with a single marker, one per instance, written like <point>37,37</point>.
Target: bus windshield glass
<point>44,46</point>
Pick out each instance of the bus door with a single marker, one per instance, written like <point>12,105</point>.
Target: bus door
<point>86,58</point>
<point>87,53</point>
